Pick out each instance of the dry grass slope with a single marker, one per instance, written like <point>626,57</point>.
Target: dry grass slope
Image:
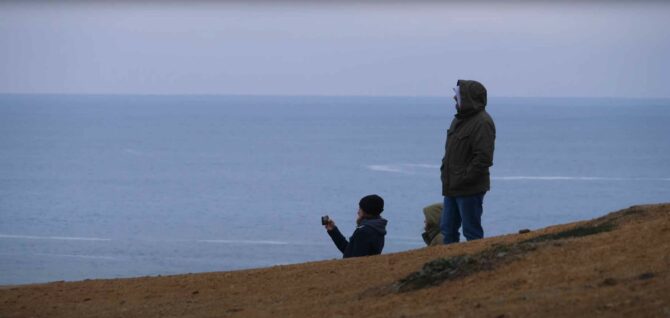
<point>616,265</point>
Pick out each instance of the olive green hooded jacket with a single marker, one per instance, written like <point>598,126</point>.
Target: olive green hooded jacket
<point>470,142</point>
<point>432,235</point>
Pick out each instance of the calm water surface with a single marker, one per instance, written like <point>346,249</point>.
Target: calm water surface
<point>118,186</point>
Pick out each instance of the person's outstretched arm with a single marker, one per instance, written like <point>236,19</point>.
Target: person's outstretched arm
<point>338,239</point>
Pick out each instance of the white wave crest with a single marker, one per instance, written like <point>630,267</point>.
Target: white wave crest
<point>404,168</point>
<point>79,256</point>
<point>62,255</point>
<point>576,178</point>
<point>214,241</point>
<point>133,151</point>
<point>428,169</point>
<point>245,242</point>
<point>61,238</point>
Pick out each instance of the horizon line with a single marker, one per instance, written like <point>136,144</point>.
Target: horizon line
<point>318,95</point>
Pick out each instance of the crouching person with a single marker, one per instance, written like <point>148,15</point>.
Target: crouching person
<point>368,238</point>
<point>431,234</point>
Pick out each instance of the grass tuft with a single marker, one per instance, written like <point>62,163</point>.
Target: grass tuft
<point>439,270</point>
<point>579,231</point>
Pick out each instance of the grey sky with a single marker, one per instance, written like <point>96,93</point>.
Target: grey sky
<point>523,49</point>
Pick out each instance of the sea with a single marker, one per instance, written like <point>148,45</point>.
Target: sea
<point>110,186</point>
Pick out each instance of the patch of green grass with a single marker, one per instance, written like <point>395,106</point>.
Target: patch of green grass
<point>434,272</point>
<point>449,268</point>
<point>439,270</point>
<point>579,231</point>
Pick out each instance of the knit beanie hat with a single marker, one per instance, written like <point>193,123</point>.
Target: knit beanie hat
<point>372,204</point>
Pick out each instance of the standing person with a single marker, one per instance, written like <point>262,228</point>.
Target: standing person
<point>368,238</point>
<point>465,167</point>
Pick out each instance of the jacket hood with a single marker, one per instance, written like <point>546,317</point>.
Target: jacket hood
<point>432,213</point>
<point>473,98</point>
<point>378,224</point>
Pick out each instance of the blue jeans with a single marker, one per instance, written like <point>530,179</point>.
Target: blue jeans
<point>466,210</point>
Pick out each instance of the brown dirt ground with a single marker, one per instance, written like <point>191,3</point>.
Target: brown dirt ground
<point>597,275</point>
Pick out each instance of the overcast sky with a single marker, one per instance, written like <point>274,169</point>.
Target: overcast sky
<point>523,49</point>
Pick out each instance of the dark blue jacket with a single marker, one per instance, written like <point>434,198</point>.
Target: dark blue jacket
<point>368,238</point>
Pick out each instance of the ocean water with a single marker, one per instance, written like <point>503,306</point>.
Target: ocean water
<point>119,186</point>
